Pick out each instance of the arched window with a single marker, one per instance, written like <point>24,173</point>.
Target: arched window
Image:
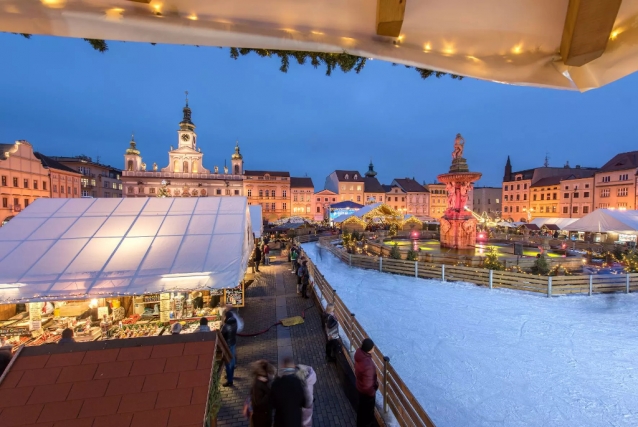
<point>236,169</point>
<point>175,166</point>
<point>318,209</point>
<point>195,166</point>
<point>185,166</point>
<point>347,176</point>
<point>129,165</point>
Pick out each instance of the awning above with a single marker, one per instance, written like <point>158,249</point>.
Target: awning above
<point>87,248</point>
<point>559,222</point>
<point>504,41</point>
<point>256,220</point>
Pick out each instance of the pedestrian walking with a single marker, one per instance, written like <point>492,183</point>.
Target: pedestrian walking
<point>229,332</point>
<point>257,258</point>
<point>305,279</point>
<point>331,326</point>
<point>288,396</point>
<point>263,374</point>
<point>266,254</point>
<point>366,380</point>
<point>293,258</point>
<point>308,377</point>
<point>299,273</point>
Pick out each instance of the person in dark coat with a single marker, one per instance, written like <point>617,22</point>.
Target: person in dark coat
<point>288,396</point>
<point>257,258</point>
<point>263,372</point>
<point>229,332</point>
<point>305,279</point>
<point>367,385</point>
<point>67,336</point>
<point>5,358</point>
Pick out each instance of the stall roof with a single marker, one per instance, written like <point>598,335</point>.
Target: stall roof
<point>560,222</point>
<point>606,221</point>
<point>346,205</point>
<point>530,226</point>
<point>256,220</point>
<point>86,248</point>
<point>552,227</point>
<point>514,42</point>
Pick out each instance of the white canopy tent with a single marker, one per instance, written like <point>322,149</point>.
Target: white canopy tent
<point>550,43</point>
<point>60,249</point>
<point>256,220</point>
<point>560,222</point>
<point>607,221</point>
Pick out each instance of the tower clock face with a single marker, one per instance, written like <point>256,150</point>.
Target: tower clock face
<point>185,137</point>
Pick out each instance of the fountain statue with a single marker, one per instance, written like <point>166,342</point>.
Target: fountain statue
<point>458,226</point>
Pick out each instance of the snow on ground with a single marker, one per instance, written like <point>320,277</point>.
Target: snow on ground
<point>479,357</point>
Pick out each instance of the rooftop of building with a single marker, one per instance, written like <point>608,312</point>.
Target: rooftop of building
<point>621,161</point>
<point>351,175</point>
<point>571,174</point>
<point>83,159</point>
<point>139,381</point>
<point>303,182</point>
<point>390,188</point>
<point>50,163</point>
<point>410,185</point>
<point>271,173</point>
<point>372,185</point>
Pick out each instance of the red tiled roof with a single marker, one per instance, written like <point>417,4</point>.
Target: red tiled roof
<point>160,381</point>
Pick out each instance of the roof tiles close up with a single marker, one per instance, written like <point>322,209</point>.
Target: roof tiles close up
<point>156,382</point>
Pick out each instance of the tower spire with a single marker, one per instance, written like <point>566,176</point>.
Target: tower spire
<point>186,122</point>
<point>508,170</point>
<point>371,172</point>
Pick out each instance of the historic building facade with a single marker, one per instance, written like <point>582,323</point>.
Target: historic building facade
<point>22,179</point>
<point>271,190</point>
<point>185,174</point>
<point>616,183</point>
<point>64,181</point>
<point>438,199</point>
<point>322,201</point>
<point>98,180</point>
<point>302,191</point>
<point>349,185</point>
<point>417,196</point>
<point>487,200</point>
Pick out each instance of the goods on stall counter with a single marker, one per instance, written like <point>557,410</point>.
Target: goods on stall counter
<point>151,329</point>
<point>235,296</point>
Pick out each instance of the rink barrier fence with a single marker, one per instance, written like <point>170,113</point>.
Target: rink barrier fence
<point>397,397</point>
<point>560,285</point>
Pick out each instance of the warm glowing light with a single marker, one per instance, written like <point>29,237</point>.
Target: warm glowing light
<point>289,30</point>
<point>192,17</point>
<point>114,13</point>
<point>448,49</point>
<point>401,37</point>
<point>93,303</point>
<point>517,49</point>
<point>319,33</point>
<point>473,58</point>
<point>54,4</point>
<point>350,39</point>
<point>614,34</point>
<point>427,47</point>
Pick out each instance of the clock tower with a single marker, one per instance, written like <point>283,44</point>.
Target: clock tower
<point>186,134</point>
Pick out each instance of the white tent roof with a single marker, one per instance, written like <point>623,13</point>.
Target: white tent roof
<point>256,220</point>
<point>341,218</point>
<point>560,222</point>
<point>504,41</point>
<point>80,248</point>
<point>607,221</point>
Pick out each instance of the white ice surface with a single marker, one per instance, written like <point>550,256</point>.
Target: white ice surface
<point>479,357</point>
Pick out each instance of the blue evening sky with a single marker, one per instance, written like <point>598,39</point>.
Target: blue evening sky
<point>67,99</point>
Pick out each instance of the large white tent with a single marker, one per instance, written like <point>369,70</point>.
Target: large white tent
<point>86,248</point>
<point>552,43</point>
<point>607,221</point>
<point>256,220</point>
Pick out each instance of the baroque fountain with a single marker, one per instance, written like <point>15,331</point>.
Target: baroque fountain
<point>458,226</point>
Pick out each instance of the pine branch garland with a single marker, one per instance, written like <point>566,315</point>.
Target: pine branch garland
<point>99,45</point>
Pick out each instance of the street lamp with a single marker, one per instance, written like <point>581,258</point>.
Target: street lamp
<point>529,211</point>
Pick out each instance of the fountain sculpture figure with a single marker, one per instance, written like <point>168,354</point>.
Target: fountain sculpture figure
<point>458,226</point>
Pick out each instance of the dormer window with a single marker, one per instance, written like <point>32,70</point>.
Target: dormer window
<point>355,176</point>
<point>266,176</point>
<point>347,177</point>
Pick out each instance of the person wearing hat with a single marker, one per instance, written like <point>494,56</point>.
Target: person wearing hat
<point>367,384</point>
<point>176,328</point>
<point>229,332</point>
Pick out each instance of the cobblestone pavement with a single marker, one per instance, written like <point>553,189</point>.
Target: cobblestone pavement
<point>331,407</point>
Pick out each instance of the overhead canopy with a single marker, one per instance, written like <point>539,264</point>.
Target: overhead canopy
<point>553,43</point>
<point>81,248</point>
<point>606,221</point>
<point>532,227</point>
<point>256,220</point>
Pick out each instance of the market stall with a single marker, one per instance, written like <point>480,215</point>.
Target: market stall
<point>607,225</point>
<point>120,268</point>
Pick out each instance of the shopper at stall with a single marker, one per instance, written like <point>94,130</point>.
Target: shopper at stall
<point>263,373</point>
<point>288,396</point>
<point>266,254</point>
<point>257,258</point>
<point>229,332</point>
<point>293,258</point>
<point>67,336</point>
<point>176,329</point>
<point>308,377</point>
<point>203,325</point>
<point>366,381</point>
<point>331,327</point>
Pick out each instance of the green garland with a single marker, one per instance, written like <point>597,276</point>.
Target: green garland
<point>343,61</point>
